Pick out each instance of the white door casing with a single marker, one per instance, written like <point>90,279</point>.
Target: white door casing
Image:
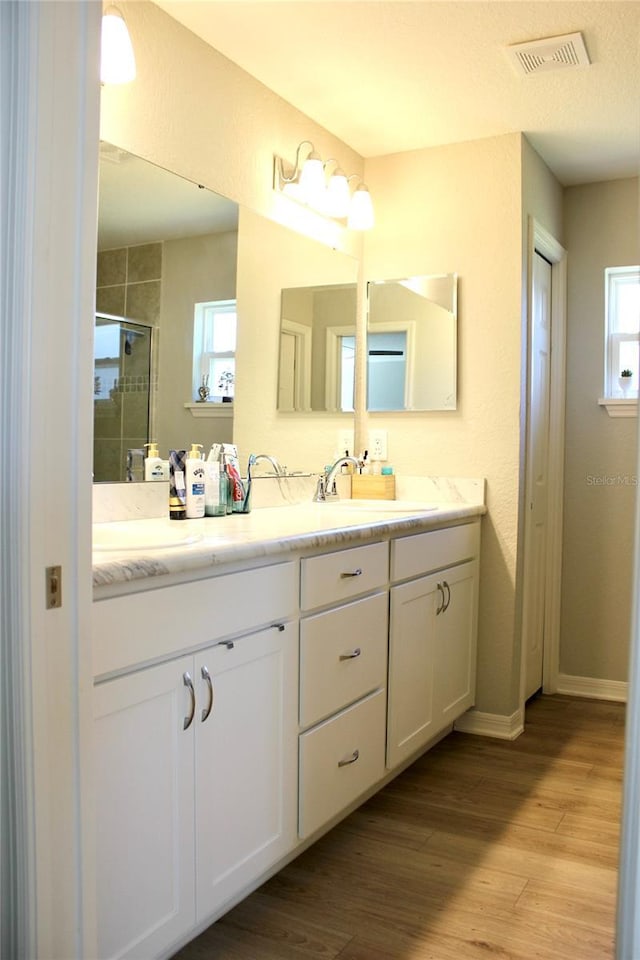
<point>541,240</point>
<point>49,172</point>
<point>533,617</point>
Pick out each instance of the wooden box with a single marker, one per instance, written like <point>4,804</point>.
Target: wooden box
<point>369,487</point>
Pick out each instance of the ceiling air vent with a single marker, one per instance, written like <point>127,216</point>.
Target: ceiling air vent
<point>552,53</point>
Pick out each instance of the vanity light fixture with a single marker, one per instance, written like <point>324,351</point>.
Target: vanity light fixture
<point>329,194</point>
<point>117,62</point>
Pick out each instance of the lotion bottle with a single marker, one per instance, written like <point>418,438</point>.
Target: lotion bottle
<point>194,482</point>
<point>153,464</point>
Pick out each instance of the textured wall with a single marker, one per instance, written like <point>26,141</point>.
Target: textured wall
<point>600,461</point>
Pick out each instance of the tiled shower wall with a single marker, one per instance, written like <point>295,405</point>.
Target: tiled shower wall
<point>129,285</point>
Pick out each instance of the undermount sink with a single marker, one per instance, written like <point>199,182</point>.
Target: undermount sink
<point>383,506</point>
<point>142,535</point>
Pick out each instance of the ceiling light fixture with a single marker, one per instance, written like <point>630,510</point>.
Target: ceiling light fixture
<point>117,62</point>
<point>307,182</point>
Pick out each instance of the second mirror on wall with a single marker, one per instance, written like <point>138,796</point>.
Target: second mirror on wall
<point>411,346</point>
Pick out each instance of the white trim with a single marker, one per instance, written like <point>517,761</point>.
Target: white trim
<point>617,407</point>
<point>50,106</point>
<point>541,240</point>
<point>333,371</point>
<point>592,688</point>
<point>302,335</point>
<point>491,724</point>
<point>222,411</point>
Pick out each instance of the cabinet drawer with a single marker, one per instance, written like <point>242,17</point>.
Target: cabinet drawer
<point>338,576</point>
<point>339,760</point>
<point>343,656</point>
<point>424,552</point>
<point>141,627</point>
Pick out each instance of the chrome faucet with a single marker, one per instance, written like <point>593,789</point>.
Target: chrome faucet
<point>278,469</point>
<point>326,489</point>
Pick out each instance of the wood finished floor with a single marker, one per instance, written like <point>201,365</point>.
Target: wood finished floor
<point>483,848</point>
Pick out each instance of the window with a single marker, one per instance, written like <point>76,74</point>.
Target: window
<point>622,345</point>
<point>214,349</point>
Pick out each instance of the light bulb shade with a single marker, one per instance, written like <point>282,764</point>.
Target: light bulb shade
<point>360,209</point>
<point>117,62</point>
<point>312,182</point>
<point>338,195</point>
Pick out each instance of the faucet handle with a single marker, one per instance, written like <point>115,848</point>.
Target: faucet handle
<point>319,496</point>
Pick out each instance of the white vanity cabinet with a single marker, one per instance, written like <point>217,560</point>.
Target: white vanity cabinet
<point>343,671</point>
<point>196,763</point>
<point>432,636</point>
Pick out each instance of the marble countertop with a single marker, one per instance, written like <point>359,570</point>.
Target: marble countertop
<point>178,550</point>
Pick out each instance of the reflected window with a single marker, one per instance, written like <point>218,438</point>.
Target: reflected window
<point>214,349</point>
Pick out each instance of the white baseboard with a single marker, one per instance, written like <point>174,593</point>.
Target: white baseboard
<point>491,724</point>
<point>592,687</point>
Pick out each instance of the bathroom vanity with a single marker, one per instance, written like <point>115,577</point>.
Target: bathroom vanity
<point>255,685</point>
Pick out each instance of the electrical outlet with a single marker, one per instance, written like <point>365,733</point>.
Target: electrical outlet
<point>345,442</point>
<point>377,444</point>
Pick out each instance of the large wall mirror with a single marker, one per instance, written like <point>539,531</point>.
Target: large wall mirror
<point>411,345</point>
<point>165,245</point>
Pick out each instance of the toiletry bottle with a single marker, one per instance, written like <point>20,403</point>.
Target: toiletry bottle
<point>215,500</point>
<point>153,464</point>
<point>365,466</point>
<point>225,483</point>
<point>177,492</point>
<point>194,482</point>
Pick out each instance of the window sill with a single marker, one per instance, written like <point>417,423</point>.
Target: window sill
<point>210,409</point>
<point>620,406</point>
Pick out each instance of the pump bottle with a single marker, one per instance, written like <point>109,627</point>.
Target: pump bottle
<point>195,481</point>
<point>154,465</point>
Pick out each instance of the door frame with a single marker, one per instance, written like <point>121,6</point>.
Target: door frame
<point>539,239</point>
<point>50,105</point>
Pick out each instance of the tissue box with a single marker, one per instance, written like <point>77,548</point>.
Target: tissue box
<point>368,487</point>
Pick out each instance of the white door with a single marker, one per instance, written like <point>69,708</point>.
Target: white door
<point>455,669</point>
<point>144,810</point>
<point>246,761</point>
<point>411,667</point>
<point>537,481</point>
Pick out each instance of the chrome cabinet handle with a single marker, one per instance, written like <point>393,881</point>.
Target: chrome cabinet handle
<point>356,573</point>
<point>188,682</point>
<point>350,656</point>
<point>446,606</point>
<point>440,606</point>
<point>278,626</point>
<point>206,676</point>
<point>352,759</point>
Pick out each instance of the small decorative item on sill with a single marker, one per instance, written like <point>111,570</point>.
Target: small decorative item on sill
<point>625,380</point>
<point>203,390</point>
<point>225,383</point>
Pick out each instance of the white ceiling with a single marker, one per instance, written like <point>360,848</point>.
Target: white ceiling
<point>388,76</point>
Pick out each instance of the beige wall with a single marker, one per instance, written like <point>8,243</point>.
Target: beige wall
<point>600,462</point>
<point>458,209</point>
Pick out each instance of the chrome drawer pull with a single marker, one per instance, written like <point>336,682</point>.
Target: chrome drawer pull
<point>350,656</point>
<point>440,607</point>
<point>352,759</point>
<point>278,626</point>
<point>446,606</point>
<point>188,682</point>
<point>229,644</point>
<point>356,573</point>
<point>206,676</point>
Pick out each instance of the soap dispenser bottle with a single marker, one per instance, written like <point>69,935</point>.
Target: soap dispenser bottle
<point>154,468</point>
<point>194,481</point>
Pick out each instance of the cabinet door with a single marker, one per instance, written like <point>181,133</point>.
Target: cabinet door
<point>456,644</point>
<point>411,667</point>
<point>144,811</point>
<point>246,761</point>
